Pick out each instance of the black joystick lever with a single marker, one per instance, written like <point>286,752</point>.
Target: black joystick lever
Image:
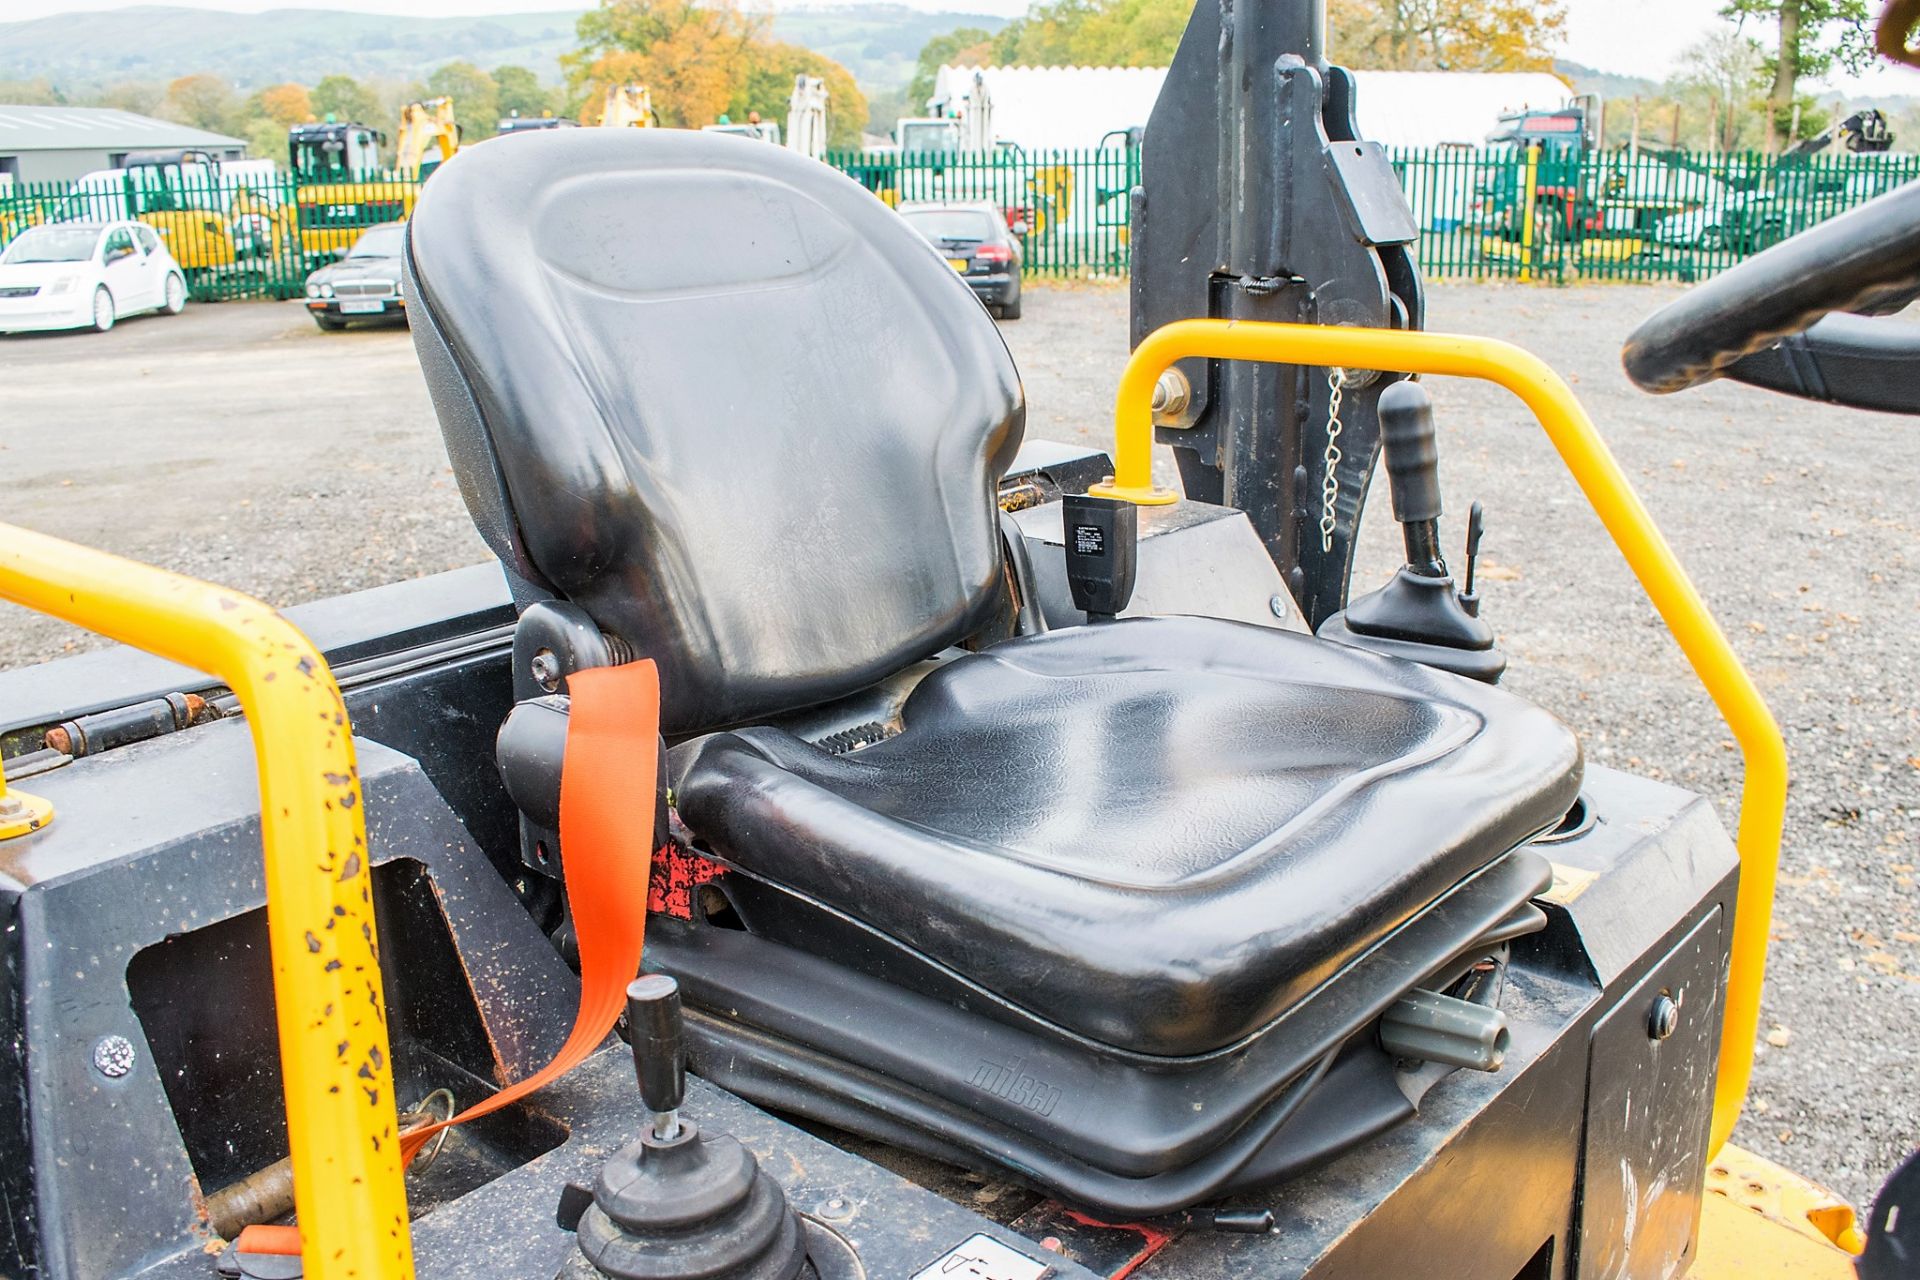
<point>1103,553</point>
<point>1418,615</point>
<point>677,1203</point>
<point>659,1050</point>
<point>1412,451</point>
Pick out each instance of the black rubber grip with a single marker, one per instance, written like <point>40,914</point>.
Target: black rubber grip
<point>1413,456</point>
<point>659,1042</point>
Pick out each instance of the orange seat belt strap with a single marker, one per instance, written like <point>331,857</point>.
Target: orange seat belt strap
<point>606,850</point>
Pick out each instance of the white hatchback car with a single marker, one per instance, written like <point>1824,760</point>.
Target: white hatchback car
<point>76,275</point>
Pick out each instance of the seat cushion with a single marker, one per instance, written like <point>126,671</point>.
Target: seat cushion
<point>1159,833</point>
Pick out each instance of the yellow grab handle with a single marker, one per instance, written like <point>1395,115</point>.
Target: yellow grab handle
<point>342,1125</point>
<point>1763,796</point>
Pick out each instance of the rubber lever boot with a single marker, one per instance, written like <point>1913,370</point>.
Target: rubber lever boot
<point>686,1204</point>
<point>1417,615</point>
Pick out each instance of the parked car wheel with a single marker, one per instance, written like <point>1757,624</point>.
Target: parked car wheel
<point>1011,310</point>
<point>332,324</point>
<point>102,310</point>
<point>176,296</point>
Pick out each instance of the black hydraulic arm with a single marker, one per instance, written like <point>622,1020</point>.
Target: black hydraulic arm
<point>1258,202</point>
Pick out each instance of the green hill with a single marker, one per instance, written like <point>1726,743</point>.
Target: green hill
<point>83,52</point>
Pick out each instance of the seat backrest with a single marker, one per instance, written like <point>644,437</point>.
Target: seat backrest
<point>721,397</point>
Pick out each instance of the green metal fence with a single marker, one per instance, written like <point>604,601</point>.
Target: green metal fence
<point>240,233</point>
<point>1495,212</point>
<point>1623,215</point>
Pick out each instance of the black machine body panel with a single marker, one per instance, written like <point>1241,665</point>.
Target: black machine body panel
<point>1259,202</point>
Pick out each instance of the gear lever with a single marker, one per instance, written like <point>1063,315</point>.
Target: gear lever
<point>1418,615</point>
<point>677,1204</point>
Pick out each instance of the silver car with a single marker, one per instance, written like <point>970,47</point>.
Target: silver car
<point>364,285</point>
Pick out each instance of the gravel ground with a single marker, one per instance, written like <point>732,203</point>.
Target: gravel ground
<point>238,443</point>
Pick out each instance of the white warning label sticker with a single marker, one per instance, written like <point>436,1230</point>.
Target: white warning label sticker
<point>981,1257</point>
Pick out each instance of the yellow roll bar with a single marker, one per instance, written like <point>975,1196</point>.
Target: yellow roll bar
<point>1763,797</point>
<point>337,1066</point>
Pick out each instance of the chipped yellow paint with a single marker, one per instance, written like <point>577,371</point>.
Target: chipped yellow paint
<point>20,813</point>
<point>334,1054</point>
<point>1759,1186</point>
<point>1763,797</point>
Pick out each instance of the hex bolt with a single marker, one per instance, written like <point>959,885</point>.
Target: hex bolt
<point>1664,1018</point>
<point>545,669</point>
<point>1279,606</point>
<point>113,1056</point>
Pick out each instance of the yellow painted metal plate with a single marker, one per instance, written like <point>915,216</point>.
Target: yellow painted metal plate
<point>1738,1242</point>
<point>1760,1220</point>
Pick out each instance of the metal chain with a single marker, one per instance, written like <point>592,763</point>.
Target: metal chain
<point>1330,483</point>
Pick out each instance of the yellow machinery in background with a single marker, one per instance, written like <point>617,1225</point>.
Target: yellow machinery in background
<point>344,189</point>
<point>628,106</point>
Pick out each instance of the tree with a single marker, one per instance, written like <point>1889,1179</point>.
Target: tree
<point>520,90</point>
<point>700,59</point>
<point>476,98</point>
<point>268,113</point>
<point>284,104</point>
<point>204,101</point>
<point>346,100</point>
<point>1446,35</point>
<point>1719,80</point>
<point>37,92</point>
<point>1094,33</point>
<point>1812,36</point>
<point>965,46</point>
<point>768,86</point>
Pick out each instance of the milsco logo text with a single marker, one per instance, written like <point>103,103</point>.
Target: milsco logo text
<point>1016,1086</point>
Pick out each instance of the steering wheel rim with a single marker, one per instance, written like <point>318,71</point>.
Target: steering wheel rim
<point>1864,260</point>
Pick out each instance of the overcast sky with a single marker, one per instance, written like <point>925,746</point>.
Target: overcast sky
<point>1637,37</point>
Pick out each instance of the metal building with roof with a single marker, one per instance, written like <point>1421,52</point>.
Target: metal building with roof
<point>59,144</point>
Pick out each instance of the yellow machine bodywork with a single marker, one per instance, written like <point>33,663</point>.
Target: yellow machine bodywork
<point>626,106</point>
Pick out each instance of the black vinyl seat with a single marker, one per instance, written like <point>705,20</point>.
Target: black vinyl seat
<point>722,400</point>
<point>1206,819</point>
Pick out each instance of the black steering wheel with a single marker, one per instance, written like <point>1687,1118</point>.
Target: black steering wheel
<point>1864,261</point>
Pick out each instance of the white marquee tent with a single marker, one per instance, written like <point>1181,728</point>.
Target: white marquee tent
<point>1057,108</point>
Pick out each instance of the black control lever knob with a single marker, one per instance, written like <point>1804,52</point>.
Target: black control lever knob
<point>659,1048</point>
<point>1413,472</point>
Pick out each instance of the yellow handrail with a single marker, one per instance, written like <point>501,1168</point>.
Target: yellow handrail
<point>342,1127</point>
<point>1763,797</point>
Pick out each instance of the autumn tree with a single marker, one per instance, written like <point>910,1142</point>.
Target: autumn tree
<point>268,113</point>
<point>476,98</point>
<point>202,100</point>
<point>1446,35</point>
<point>1810,37</point>
<point>346,100</point>
<point>700,60</point>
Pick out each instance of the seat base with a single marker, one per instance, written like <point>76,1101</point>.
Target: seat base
<point>941,1068</point>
